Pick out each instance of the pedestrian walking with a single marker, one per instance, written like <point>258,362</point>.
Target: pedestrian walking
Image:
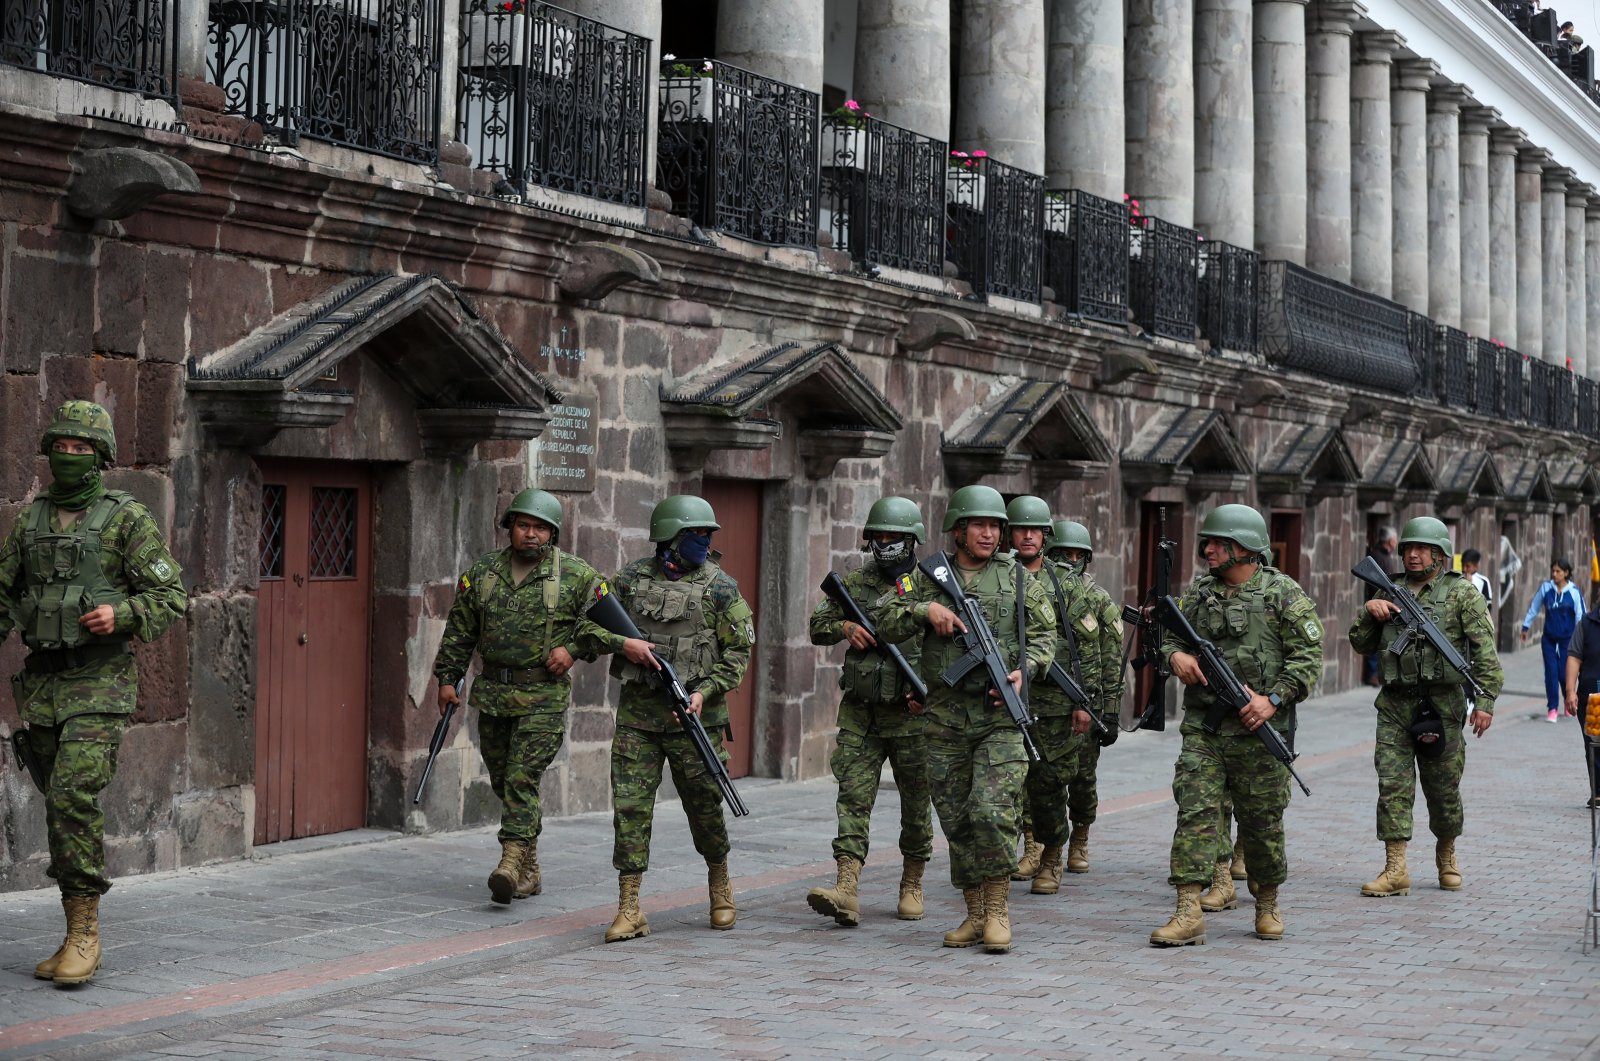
<point>1471,560</point>
<point>1581,689</point>
<point>1562,604</point>
<point>1382,550</point>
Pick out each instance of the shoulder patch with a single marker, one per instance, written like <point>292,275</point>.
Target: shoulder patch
<point>161,569</point>
<point>463,584</point>
<point>1088,622</point>
<point>903,584</point>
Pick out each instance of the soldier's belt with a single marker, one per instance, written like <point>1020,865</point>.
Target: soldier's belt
<point>518,675</point>
<point>56,660</point>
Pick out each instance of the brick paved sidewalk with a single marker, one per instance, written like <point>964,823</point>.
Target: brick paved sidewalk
<point>391,949</point>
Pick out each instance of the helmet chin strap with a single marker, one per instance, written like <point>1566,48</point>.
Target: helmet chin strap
<point>1234,559</point>
<point>961,532</point>
<point>1431,570</point>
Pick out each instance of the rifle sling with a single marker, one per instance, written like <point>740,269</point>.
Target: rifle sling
<point>1022,634</point>
<point>1065,626</point>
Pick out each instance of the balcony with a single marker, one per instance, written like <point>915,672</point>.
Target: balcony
<point>1086,255</point>
<point>548,98</point>
<point>1550,397</point>
<point>1318,325</point>
<point>1228,278</point>
<point>1165,264</point>
<point>129,45</point>
<point>1453,368</point>
<point>883,194</point>
<point>1589,407</point>
<point>993,226</point>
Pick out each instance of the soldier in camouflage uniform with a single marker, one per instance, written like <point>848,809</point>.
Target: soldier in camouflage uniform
<point>523,609</point>
<point>877,723</point>
<point>1267,631</point>
<point>976,761</point>
<point>83,572</point>
<point>691,611</point>
<point>1422,706</point>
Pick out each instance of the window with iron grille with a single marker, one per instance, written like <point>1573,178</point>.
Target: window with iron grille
<point>333,532</point>
<point>270,543</point>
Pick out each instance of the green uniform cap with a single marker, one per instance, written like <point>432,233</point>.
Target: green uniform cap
<point>1239,523</point>
<point>536,503</point>
<point>974,502</point>
<point>1066,534</point>
<point>85,420</point>
<point>1426,530</point>
<point>680,512</point>
<point>1029,511</point>
<point>895,514</point>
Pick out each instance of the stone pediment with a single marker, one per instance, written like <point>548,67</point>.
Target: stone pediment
<point>1528,481</point>
<point>724,406</point>
<point>1470,474</point>
<point>1031,425</point>
<point>1574,480</point>
<point>1311,459</point>
<point>467,381</point>
<point>1399,468</point>
<point>1194,448</point>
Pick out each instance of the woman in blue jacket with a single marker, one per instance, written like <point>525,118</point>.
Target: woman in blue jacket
<point>1563,607</point>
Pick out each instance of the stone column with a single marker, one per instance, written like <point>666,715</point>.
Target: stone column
<point>1084,126</point>
<point>641,17</point>
<point>1475,309</point>
<point>1577,279</point>
<point>1530,252</point>
<point>1280,81</point>
<point>1371,164</point>
<point>1444,205</point>
<point>902,70</point>
<point>1000,87</point>
<point>1159,97</point>
<point>1224,122</point>
<point>1328,136</point>
<point>1503,234</point>
<point>774,38</point>
<point>1409,121</point>
<point>1553,235</point>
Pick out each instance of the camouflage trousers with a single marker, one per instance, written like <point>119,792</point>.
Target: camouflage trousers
<point>1399,767</point>
<point>517,750</point>
<point>1083,793</point>
<point>1210,770</point>
<point>1052,777</point>
<point>79,758</point>
<point>637,756</point>
<point>977,777</point>
<point>858,766</point>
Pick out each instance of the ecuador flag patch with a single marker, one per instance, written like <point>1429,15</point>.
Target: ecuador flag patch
<point>903,585</point>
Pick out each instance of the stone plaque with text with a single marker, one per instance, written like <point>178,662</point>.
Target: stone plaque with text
<point>563,457</point>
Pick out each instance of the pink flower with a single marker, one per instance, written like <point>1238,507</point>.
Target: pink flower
<point>851,105</point>
<point>980,154</point>
<point>958,154</point>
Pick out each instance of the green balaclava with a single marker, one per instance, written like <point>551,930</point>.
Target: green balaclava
<point>75,481</point>
<point>76,476</point>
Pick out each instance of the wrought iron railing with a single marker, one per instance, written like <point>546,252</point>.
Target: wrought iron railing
<point>1540,394</point>
<point>883,193</point>
<point>1228,278</point>
<point>994,224</point>
<point>1486,360</point>
<point>1086,255</point>
<point>549,98</point>
<point>362,73</point>
<point>1453,364</point>
<point>1513,385</point>
<point>1421,343</point>
<point>1317,325</point>
<point>130,45</point>
<point>737,152</point>
<point>1560,411</point>
<point>1588,407</point>
<point>1164,264</point>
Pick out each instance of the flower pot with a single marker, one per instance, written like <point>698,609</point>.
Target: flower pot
<point>513,39</point>
<point>964,187</point>
<point>845,147</point>
<point>687,99</point>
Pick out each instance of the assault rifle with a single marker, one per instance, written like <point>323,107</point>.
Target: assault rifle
<point>1416,621</point>
<point>609,614</point>
<point>23,752</point>
<point>1062,678</point>
<point>833,589</point>
<point>982,649</point>
<point>1153,714</point>
<point>1230,692</point>
<point>436,744</point>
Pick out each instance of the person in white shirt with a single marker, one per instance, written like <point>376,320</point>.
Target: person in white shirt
<point>1563,607</point>
<point>1470,559</point>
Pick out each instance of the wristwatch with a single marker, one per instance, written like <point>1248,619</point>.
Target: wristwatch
<point>1275,700</point>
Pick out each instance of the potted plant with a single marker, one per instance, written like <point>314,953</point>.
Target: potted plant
<point>846,127</point>
<point>686,91</point>
<point>964,179</point>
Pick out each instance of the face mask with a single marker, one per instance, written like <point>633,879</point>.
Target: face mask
<point>76,479</point>
<point>890,554</point>
<point>693,548</point>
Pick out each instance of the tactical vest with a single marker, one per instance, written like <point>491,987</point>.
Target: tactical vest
<point>867,676</point>
<point>64,576</point>
<point>674,617</point>
<point>1420,664</point>
<point>1244,626</point>
<point>996,590</point>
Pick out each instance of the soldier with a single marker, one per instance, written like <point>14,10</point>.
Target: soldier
<point>877,722</point>
<point>523,610</point>
<point>1267,631</point>
<point>1423,705</point>
<point>690,610</point>
<point>976,760</point>
<point>1101,625</point>
<point>83,572</point>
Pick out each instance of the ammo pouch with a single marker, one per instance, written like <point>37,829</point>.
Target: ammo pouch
<point>870,679</point>
<point>56,660</point>
<point>1427,731</point>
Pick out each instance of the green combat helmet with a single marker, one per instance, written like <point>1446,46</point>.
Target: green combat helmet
<point>1066,534</point>
<point>975,502</point>
<point>1029,511</point>
<point>1426,530</point>
<point>538,504</point>
<point>85,420</point>
<point>895,515</point>
<point>680,512</point>
<point>1239,523</point>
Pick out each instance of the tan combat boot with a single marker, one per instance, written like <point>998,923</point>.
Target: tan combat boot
<point>46,970</point>
<point>1078,850</point>
<point>1394,880</point>
<point>503,881</point>
<point>1028,864</point>
<point>910,907</point>
<point>1188,924</point>
<point>1238,870</point>
<point>1449,872</point>
<point>996,915</point>
<point>1048,879</point>
<point>80,954</point>
<point>970,931</point>
<point>529,882</point>
<point>1269,919</point>
<point>630,921</point>
<point>1222,895</point>
<point>723,912</point>
<point>842,902</point>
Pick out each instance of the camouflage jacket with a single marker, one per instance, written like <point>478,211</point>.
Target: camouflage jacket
<point>1268,632</point>
<point>1457,608</point>
<point>874,699</point>
<point>1096,624</point>
<point>514,628</point>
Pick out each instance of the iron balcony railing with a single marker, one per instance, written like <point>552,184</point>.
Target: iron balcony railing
<point>883,193</point>
<point>1165,275</point>
<point>1513,385</point>
<point>130,45</point>
<point>1228,279</point>
<point>1453,362</point>
<point>361,73</point>
<point>1318,325</point>
<point>1588,407</point>
<point>1086,255</point>
<point>1421,342</point>
<point>1486,360</point>
<point>994,227</point>
<point>1550,396</point>
<point>737,152</point>
<point>548,98</point>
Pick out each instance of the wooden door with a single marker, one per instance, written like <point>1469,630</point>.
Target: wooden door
<point>1287,538</point>
<point>312,653</point>
<point>737,503</point>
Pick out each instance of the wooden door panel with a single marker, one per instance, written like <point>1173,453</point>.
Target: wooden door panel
<point>737,503</point>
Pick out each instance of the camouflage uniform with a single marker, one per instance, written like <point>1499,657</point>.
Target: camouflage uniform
<point>976,761</point>
<point>1083,797</point>
<point>874,727</point>
<point>1421,674</point>
<point>704,627</point>
<point>1077,650</point>
<point>521,706</point>
<point>1268,632</point>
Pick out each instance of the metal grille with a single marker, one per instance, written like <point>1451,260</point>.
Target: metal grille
<point>994,227</point>
<point>1228,276</point>
<point>1486,357</point>
<point>270,543</point>
<point>1086,255</point>
<point>333,532</point>
<point>122,44</point>
<point>1513,385</point>
<point>1317,325</point>
<point>1166,268</point>
<point>553,99</point>
<point>1588,407</point>
<point>363,73</point>
<point>883,193</point>
<point>1454,366</point>
<point>1540,394</point>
